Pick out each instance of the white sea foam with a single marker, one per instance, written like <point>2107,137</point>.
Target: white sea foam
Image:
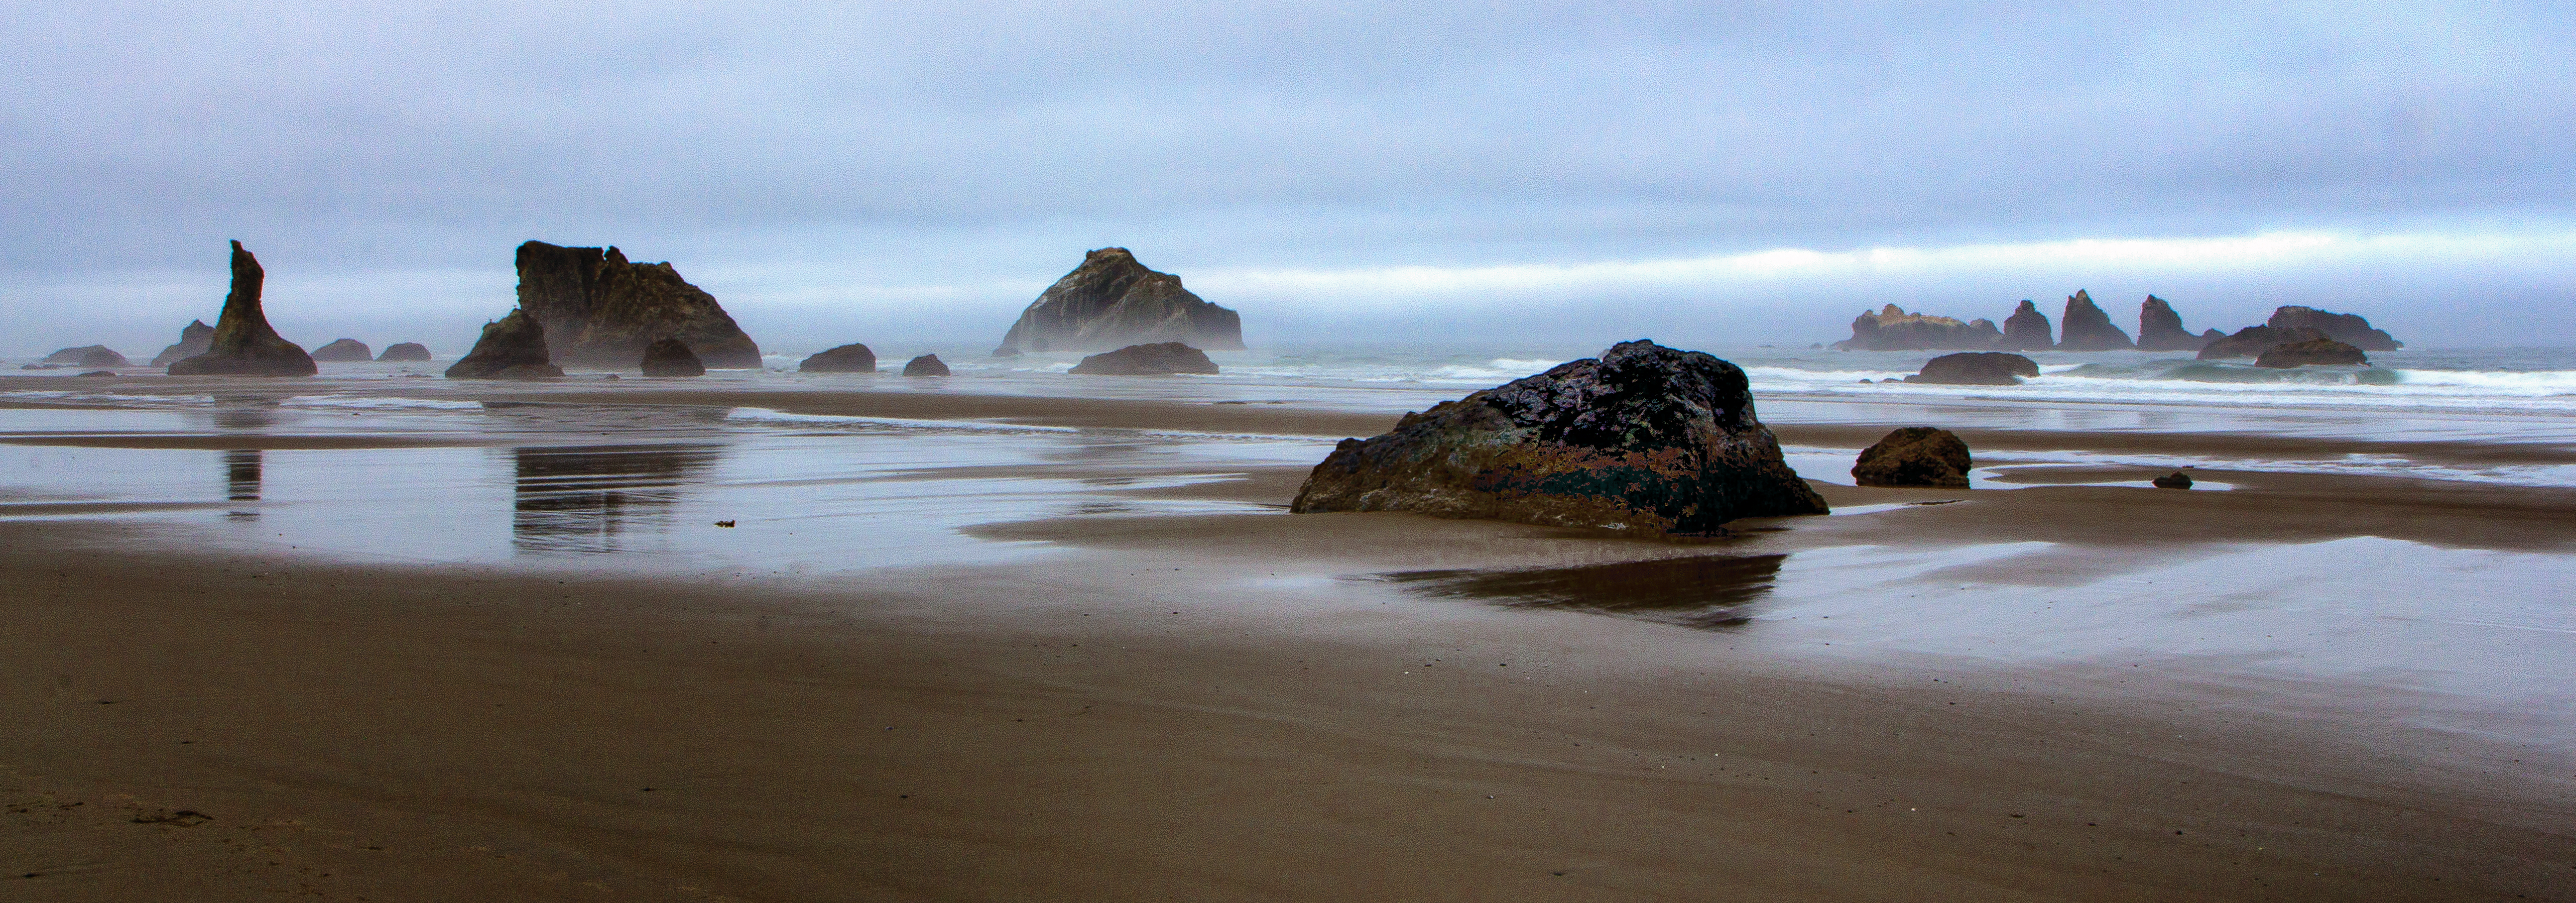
<point>771,416</point>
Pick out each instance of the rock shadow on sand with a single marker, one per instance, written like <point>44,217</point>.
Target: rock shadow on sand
<point>599,498</point>
<point>1707,592</point>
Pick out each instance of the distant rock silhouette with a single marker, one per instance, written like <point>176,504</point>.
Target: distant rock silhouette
<point>671,357</point>
<point>2350,329</point>
<point>343,350</point>
<point>88,356</point>
<point>1892,329</point>
<point>2252,341</point>
<point>1158,359</point>
<point>1112,301</point>
<point>404,351</point>
<point>243,343</point>
<point>1915,456</point>
<point>194,339</point>
<point>2027,330</point>
<point>2160,328</point>
<point>1976,368</point>
<point>851,358</point>
<point>513,347</point>
<point>99,373</point>
<point>2085,327</point>
<point>2312,351</point>
<point>599,310</point>
<point>925,365</point>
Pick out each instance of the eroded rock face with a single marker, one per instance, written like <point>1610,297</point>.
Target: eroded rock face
<point>1892,329</point>
<point>513,347</point>
<point>1915,456</point>
<point>2027,329</point>
<point>2312,351</point>
<point>405,351</point>
<point>243,343</point>
<point>2350,329</point>
<point>2086,328</point>
<point>1643,439</point>
<point>851,358</point>
<point>344,350</point>
<point>1111,301</point>
<point>194,339</point>
<point>2252,341</point>
<point>1159,359</point>
<point>1976,368</point>
<point>925,365</point>
<point>2160,328</point>
<point>599,310</point>
<point>671,357</point>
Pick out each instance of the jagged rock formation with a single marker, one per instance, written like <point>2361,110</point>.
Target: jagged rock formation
<point>2027,329</point>
<point>851,358</point>
<point>671,357</point>
<point>925,365</point>
<point>513,347</point>
<point>1644,438</point>
<point>2084,327</point>
<point>404,351</point>
<point>88,356</point>
<point>1892,329</point>
<point>1158,359</point>
<point>598,310</point>
<point>2252,341</point>
<point>194,339</point>
<point>2350,329</point>
<point>243,343</point>
<point>2174,480</point>
<point>2160,328</point>
<point>344,350</point>
<point>1111,301</point>
<point>2312,351</point>
<point>1915,456</point>
<point>1976,368</point>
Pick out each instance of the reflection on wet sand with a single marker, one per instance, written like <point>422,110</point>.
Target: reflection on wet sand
<point>241,480</point>
<point>594,498</point>
<point>1705,591</point>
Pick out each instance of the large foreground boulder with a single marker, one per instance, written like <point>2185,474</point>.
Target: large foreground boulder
<point>671,357</point>
<point>2312,351</point>
<point>1112,301</point>
<point>851,358</point>
<point>2350,329</point>
<point>2027,329</point>
<point>1892,329</point>
<point>1976,368</point>
<point>513,347</point>
<point>1645,439</point>
<point>599,310</point>
<point>243,343</point>
<point>2252,341</point>
<point>2086,328</point>
<point>925,365</point>
<point>344,350</point>
<point>1915,456</point>
<point>1159,359</point>
<point>194,339</point>
<point>2160,328</point>
<point>404,351</point>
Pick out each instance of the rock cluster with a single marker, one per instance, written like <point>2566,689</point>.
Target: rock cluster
<point>600,310</point>
<point>1159,359</point>
<point>343,350</point>
<point>2160,328</point>
<point>851,358</point>
<point>1890,328</point>
<point>1112,301</point>
<point>243,343</point>
<point>405,351</point>
<point>513,347</point>
<point>1976,368</point>
<point>2312,351</point>
<point>1643,439</point>
<point>2084,327</point>
<point>925,365</point>
<point>1915,456</point>
<point>194,339</point>
<point>2350,329</point>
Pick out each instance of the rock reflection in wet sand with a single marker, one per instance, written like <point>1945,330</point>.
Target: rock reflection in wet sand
<point>599,498</point>
<point>241,480</point>
<point>1704,591</point>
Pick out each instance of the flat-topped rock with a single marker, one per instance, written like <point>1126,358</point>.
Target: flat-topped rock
<point>599,310</point>
<point>925,365</point>
<point>343,351</point>
<point>1976,368</point>
<point>1915,456</point>
<point>87,356</point>
<point>1112,301</point>
<point>243,343</point>
<point>404,351</point>
<point>2313,351</point>
<point>2084,327</point>
<point>671,357</point>
<point>2350,329</point>
<point>1890,328</point>
<point>1158,359</point>
<point>2252,341</point>
<point>850,358</point>
<point>513,347</point>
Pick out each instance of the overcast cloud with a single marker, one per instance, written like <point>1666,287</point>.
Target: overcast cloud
<point>857,171</point>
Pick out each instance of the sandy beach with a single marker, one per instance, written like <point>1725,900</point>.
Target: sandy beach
<point>1105,664</point>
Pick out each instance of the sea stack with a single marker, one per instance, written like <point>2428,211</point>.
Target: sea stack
<point>1976,368</point>
<point>671,357</point>
<point>1112,301</point>
<point>404,351</point>
<point>599,310</point>
<point>2027,329</point>
<point>243,343</point>
<point>194,339</point>
<point>1160,359</point>
<point>926,365</point>
<point>2350,329</point>
<point>2160,328</point>
<point>343,350</point>
<point>1892,329</point>
<point>850,358</point>
<point>2086,328</point>
<point>513,347</point>
<point>1643,439</point>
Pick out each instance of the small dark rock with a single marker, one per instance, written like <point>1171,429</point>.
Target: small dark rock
<point>925,365</point>
<point>1976,368</point>
<point>1915,456</point>
<point>2312,351</point>
<point>2174,480</point>
<point>513,347</point>
<point>1156,359</point>
<point>404,351</point>
<point>344,350</point>
<point>851,358</point>
<point>100,373</point>
<point>671,357</point>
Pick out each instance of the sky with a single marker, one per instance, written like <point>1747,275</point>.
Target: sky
<point>1704,173</point>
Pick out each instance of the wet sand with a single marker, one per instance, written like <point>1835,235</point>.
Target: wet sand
<point>1236,706</point>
